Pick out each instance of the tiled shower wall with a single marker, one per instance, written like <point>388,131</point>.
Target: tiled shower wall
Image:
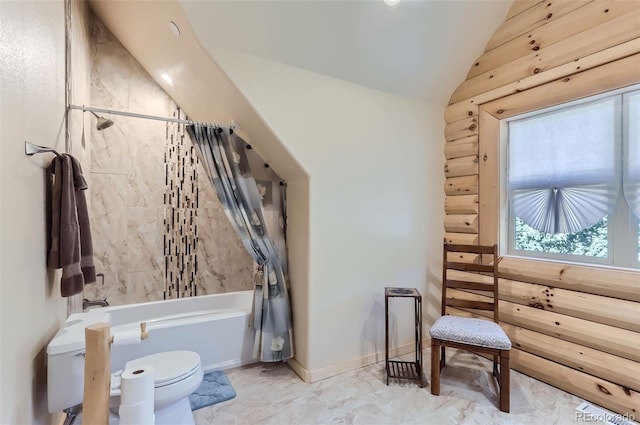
<point>127,193</point>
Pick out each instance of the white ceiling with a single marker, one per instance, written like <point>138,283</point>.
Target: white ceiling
<point>421,49</point>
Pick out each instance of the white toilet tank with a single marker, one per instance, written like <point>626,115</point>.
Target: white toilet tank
<point>65,361</point>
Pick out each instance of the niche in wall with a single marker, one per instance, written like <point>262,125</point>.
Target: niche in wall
<point>130,172</point>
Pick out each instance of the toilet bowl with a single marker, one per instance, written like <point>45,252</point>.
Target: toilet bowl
<point>176,375</point>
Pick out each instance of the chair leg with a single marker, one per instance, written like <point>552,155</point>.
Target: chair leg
<point>435,367</point>
<point>495,367</point>
<point>443,357</point>
<point>504,381</point>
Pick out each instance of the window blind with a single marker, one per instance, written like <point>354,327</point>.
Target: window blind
<point>564,168</point>
<point>631,155</point>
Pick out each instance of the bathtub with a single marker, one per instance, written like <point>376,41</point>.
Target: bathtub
<point>215,326</point>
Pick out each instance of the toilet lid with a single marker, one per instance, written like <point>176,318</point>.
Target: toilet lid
<point>168,367</point>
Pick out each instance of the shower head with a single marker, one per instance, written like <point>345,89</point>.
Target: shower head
<point>102,122</point>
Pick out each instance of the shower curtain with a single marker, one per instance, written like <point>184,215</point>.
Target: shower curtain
<point>253,198</point>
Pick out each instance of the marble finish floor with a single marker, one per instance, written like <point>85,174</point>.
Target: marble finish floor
<point>273,394</point>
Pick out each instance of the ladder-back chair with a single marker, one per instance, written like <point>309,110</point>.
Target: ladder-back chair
<point>476,335</point>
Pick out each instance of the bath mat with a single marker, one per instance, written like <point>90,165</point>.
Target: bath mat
<point>215,388</point>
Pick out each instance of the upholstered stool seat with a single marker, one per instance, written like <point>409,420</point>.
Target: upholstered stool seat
<point>466,330</point>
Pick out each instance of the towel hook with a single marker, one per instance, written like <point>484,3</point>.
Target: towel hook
<point>31,149</point>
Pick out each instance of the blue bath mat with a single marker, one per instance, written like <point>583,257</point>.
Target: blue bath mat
<point>215,388</point>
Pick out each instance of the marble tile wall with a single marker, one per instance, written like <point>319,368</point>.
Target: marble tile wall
<point>127,173</point>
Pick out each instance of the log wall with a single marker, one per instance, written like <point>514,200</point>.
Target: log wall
<point>575,327</point>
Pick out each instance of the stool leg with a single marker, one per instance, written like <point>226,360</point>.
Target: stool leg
<point>419,364</point>
<point>386,336</point>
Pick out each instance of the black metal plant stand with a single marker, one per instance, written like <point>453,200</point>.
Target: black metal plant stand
<point>405,369</point>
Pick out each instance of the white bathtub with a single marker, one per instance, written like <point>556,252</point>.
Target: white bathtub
<point>215,326</point>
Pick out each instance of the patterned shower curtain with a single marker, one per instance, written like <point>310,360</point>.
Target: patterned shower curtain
<point>253,198</point>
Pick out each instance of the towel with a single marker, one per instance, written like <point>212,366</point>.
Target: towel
<point>71,248</point>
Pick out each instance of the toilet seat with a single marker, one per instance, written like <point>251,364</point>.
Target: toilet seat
<point>168,367</point>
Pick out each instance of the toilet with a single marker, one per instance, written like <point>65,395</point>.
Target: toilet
<point>176,375</point>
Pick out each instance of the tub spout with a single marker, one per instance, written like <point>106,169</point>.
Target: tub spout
<point>94,303</point>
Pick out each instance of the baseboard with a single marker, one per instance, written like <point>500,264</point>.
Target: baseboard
<point>303,373</point>
<point>353,364</point>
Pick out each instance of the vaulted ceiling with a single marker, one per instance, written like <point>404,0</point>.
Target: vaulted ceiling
<point>419,49</point>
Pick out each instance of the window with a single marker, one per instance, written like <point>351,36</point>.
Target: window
<point>573,181</point>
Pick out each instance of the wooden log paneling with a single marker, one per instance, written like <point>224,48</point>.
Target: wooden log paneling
<point>540,14</point>
<point>462,257</point>
<point>464,204</point>
<point>610,339</point>
<point>582,19</point>
<point>617,31</point>
<point>464,128</point>
<point>520,6</point>
<point>467,185</point>
<point>465,166</point>
<point>461,223</point>
<point>467,107</point>
<point>462,147</point>
<point>594,362</point>
<point>621,73</point>
<point>615,283</point>
<point>573,326</point>
<point>461,238</point>
<point>608,394</point>
<point>579,357</point>
<point>596,308</point>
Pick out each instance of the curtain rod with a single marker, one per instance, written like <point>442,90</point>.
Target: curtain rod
<point>135,115</point>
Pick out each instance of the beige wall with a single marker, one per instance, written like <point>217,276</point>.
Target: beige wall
<point>32,54</point>
<point>128,188</point>
<point>372,206</point>
<point>575,327</point>
<point>80,94</point>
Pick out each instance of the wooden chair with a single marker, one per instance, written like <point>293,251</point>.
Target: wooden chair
<point>476,335</point>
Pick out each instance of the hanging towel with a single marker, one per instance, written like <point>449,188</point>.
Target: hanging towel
<point>71,247</point>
